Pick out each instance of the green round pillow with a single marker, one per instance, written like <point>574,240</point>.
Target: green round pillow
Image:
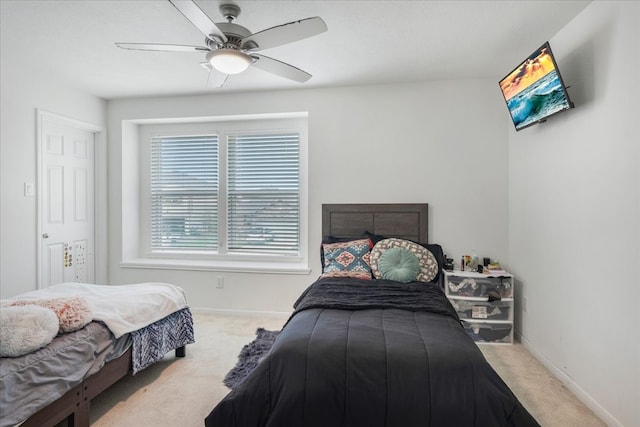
<point>399,264</point>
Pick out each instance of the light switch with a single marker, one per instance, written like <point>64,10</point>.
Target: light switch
<point>29,189</point>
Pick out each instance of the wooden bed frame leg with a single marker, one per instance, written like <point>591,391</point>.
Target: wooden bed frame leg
<point>181,351</point>
<point>80,418</point>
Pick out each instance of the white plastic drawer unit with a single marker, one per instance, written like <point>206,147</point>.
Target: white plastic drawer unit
<point>483,310</point>
<point>489,332</point>
<point>478,285</point>
<point>484,304</point>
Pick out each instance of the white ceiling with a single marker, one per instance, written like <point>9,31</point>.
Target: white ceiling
<point>368,42</point>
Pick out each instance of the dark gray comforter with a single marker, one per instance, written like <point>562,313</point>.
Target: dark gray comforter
<point>372,353</point>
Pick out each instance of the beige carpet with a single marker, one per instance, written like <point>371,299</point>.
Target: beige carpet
<point>550,402</point>
<point>182,392</point>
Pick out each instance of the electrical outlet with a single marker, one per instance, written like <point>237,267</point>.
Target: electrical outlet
<point>220,282</point>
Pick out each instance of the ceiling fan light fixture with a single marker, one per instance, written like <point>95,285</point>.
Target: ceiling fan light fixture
<point>229,61</point>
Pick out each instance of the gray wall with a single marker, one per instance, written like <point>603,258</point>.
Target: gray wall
<point>23,91</point>
<point>444,143</point>
<point>574,215</point>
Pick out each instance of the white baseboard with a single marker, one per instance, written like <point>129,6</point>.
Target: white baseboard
<point>570,384</point>
<point>276,314</point>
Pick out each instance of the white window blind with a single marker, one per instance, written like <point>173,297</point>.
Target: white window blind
<point>263,185</point>
<point>184,192</point>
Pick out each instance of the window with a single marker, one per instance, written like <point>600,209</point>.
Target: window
<point>263,185</point>
<point>184,192</point>
<point>224,192</point>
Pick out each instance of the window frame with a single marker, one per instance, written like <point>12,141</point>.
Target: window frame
<point>220,260</point>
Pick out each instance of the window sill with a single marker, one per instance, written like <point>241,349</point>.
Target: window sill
<point>222,266</point>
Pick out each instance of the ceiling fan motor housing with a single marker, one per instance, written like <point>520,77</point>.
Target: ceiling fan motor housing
<point>234,32</point>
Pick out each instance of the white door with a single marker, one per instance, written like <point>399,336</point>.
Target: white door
<point>67,204</point>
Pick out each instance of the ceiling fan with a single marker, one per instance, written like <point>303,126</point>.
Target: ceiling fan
<point>231,48</point>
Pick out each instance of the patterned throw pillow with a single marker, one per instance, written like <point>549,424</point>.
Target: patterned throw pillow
<point>347,259</point>
<point>428,262</point>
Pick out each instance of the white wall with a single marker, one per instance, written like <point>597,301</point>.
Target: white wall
<point>23,91</point>
<point>444,143</point>
<point>574,201</point>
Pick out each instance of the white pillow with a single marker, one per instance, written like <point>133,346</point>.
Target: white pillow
<point>73,312</point>
<point>25,329</point>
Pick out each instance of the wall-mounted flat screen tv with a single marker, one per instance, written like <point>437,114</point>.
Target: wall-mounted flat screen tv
<point>534,90</point>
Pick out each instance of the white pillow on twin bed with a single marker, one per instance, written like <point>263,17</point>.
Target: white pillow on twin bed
<point>73,312</point>
<point>24,329</point>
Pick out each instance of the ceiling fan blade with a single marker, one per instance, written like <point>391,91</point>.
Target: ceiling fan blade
<point>162,47</point>
<point>197,17</point>
<point>283,34</point>
<point>280,68</point>
<point>215,79</point>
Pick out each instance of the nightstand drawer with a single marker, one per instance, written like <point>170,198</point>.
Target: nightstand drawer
<point>495,310</point>
<point>478,286</point>
<point>489,332</point>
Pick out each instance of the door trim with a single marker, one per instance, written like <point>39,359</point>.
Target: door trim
<point>99,184</point>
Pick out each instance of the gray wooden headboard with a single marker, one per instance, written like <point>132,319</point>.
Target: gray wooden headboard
<point>403,220</point>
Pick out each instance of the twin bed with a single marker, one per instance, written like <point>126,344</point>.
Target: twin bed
<point>361,351</point>
<point>129,328</point>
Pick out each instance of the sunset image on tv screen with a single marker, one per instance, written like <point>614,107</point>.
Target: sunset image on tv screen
<point>534,89</point>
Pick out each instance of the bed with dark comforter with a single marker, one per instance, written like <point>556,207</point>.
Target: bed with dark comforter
<point>376,352</point>
<point>372,353</point>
